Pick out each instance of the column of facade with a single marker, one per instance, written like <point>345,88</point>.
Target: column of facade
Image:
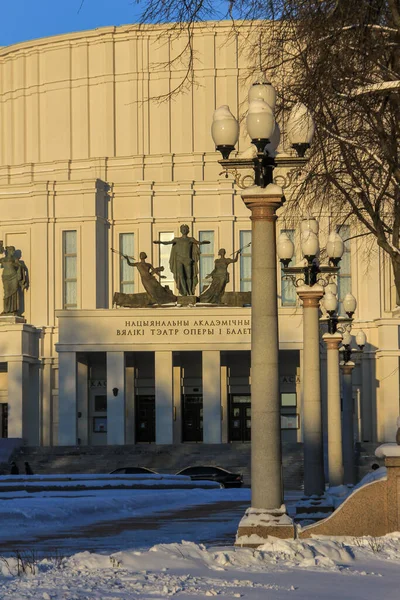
<point>115,398</point>
<point>368,398</point>
<point>224,404</point>
<point>67,404</point>
<point>82,387</point>
<point>18,381</point>
<point>177,400</point>
<point>348,424</point>
<point>335,452</point>
<point>31,406</point>
<point>130,402</point>
<point>314,480</point>
<point>164,397</point>
<point>211,366</point>
<point>301,395</point>
<point>47,405</point>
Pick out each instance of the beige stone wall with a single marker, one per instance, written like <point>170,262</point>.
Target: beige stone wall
<point>86,95</point>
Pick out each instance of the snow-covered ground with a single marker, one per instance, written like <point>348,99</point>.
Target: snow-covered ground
<point>27,517</point>
<point>139,567</point>
<point>363,569</point>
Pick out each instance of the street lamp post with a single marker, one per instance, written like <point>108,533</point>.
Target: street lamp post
<point>263,199</point>
<point>310,280</point>
<point>348,404</point>
<point>339,430</point>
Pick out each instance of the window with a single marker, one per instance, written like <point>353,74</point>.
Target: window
<point>126,273</point>
<point>70,260</point>
<point>344,278</point>
<point>288,291</point>
<point>206,258</point>
<point>288,399</point>
<point>100,424</point>
<point>100,403</point>
<point>165,251</point>
<point>290,421</point>
<point>245,261</point>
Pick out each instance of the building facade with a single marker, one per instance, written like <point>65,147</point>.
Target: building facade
<point>97,158</point>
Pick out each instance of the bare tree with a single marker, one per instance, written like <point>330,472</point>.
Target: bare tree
<point>342,59</point>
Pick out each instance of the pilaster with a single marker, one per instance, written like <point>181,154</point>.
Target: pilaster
<point>115,398</point>
<point>211,365</point>
<point>164,397</point>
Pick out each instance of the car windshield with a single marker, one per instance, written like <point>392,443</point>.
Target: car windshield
<point>133,471</point>
<point>202,471</point>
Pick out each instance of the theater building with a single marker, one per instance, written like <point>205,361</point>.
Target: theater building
<point>93,163</point>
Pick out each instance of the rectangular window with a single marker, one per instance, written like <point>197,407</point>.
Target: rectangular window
<point>245,261</point>
<point>70,264</point>
<point>344,278</point>
<point>288,399</point>
<point>100,424</point>
<point>206,258</point>
<point>126,272</point>
<point>288,291</point>
<point>165,251</point>
<point>290,421</point>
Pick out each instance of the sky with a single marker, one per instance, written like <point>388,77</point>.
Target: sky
<point>24,20</point>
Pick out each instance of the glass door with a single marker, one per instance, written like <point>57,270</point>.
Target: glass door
<point>98,418</point>
<point>145,419</point>
<point>192,422</point>
<point>240,419</point>
<point>4,420</point>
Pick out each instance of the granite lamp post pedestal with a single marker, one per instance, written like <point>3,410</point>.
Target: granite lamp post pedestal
<point>267,515</point>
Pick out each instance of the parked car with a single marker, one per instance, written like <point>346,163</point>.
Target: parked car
<point>221,476</point>
<point>133,471</point>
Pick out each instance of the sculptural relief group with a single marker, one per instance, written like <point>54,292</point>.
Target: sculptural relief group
<point>184,259</point>
<point>184,265</point>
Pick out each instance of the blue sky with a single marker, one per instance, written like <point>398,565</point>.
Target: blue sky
<point>23,20</point>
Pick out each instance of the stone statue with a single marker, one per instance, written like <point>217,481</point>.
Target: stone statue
<point>183,262</point>
<point>157,293</point>
<point>220,277</point>
<point>14,280</point>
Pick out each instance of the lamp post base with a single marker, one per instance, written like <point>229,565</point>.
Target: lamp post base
<point>258,524</point>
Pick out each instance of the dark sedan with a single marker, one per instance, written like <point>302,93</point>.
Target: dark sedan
<point>221,476</point>
<point>133,471</point>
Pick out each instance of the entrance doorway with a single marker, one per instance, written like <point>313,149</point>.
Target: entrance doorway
<point>192,422</point>
<point>4,420</point>
<point>98,418</point>
<point>145,419</point>
<point>239,418</point>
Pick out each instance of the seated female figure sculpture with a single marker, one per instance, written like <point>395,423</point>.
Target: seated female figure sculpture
<point>157,293</point>
<point>220,277</point>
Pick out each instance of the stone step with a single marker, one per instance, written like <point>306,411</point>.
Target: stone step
<point>166,459</point>
<point>169,459</point>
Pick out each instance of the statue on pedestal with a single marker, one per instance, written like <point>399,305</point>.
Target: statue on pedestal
<point>14,280</point>
<point>183,262</point>
<point>157,293</point>
<point>219,276</point>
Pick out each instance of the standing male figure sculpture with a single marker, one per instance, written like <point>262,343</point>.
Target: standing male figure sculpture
<point>13,277</point>
<point>183,261</point>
